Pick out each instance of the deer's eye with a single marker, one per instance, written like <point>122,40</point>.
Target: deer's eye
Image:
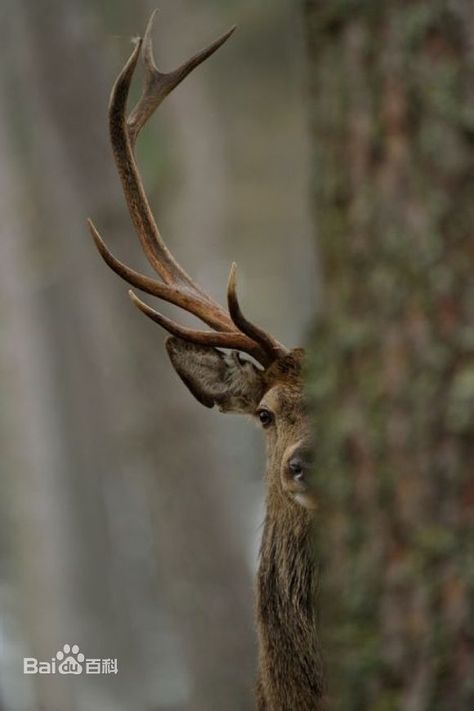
<point>265,416</point>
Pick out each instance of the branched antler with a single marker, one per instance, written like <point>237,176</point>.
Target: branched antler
<point>230,330</point>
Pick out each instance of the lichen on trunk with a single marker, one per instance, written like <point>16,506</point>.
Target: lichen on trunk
<point>392,372</point>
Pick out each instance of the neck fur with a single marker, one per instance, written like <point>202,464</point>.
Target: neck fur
<point>290,670</point>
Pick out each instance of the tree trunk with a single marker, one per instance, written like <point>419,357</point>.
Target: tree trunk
<point>392,366</point>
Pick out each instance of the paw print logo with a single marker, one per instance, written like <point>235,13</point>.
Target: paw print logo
<point>70,659</point>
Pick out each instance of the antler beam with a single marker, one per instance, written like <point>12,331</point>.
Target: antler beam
<point>230,330</point>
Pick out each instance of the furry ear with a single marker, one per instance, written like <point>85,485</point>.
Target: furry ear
<point>217,378</point>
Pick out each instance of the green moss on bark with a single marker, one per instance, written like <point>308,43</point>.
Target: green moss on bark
<point>392,366</point>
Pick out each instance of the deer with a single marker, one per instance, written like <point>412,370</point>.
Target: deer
<point>240,368</point>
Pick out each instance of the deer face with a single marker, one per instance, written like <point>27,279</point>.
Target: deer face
<point>274,397</point>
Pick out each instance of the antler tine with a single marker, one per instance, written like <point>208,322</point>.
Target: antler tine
<point>267,343</point>
<point>207,312</point>
<point>123,134</point>
<point>152,243</point>
<point>228,339</point>
<point>231,330</point>
<point>159,84</point>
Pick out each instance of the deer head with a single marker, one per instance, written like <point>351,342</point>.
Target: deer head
<point>269,389</point>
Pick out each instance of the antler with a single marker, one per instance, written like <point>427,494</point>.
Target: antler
<point>231,330</point>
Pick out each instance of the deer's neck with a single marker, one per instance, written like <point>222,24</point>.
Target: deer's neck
<point>290,675</point>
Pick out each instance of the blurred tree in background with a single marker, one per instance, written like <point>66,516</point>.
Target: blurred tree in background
<point>392,116</point>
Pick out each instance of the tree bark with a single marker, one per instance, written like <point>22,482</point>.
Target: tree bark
<point>392,371</point>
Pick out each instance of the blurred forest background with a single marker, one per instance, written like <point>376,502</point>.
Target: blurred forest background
<point>130,515</point>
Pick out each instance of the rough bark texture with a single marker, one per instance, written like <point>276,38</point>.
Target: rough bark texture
<point>393,370</point>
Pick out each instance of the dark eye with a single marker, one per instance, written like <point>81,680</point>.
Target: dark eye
<point>265,416</point>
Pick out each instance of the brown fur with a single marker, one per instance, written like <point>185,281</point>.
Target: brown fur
<point>290,670</point>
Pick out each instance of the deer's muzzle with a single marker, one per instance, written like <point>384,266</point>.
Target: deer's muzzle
<point>297,474</point>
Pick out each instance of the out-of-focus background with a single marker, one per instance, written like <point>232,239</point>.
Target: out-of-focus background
<point>130,514</point>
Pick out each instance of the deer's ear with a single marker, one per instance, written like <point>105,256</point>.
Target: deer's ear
<point>217,378</point>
